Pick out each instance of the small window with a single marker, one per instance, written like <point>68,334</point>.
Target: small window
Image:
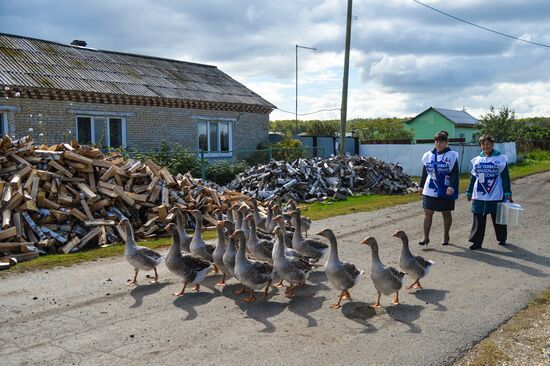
<point>214,137</point>
<point>102,131</point>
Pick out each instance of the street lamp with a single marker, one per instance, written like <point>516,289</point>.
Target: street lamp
<point>307,48</point>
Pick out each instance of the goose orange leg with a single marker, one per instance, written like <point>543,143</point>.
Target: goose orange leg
<point>377,305</point>
<point>266,290</point>
<point>251,297</point>
<point>347,295</point>
<point>197,287</point>
<point>280,284</point>
<point>216,270</point>
<point>182,290</point>
<point>337,305</point>
<point>290,291</point>
<point>240,292</point>
<point>134,281</point>
<point>156,279</point>
<point>395,301</point>
<point>412,285</point>
<point>222,282</point>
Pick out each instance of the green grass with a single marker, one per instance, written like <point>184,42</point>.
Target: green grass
<point>315,211</point>
<point>323,210</point>
<point>65,260</point>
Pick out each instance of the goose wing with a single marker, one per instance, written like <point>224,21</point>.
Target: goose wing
<point>351,269</point>
<point>149,252</point>
<point>394,272</point>
<point>422,261</point>
<point>262,267</point>
<point>316,244</point>
<point>195,263</point>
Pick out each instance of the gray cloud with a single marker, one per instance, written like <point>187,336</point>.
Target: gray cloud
<point>400,46</point>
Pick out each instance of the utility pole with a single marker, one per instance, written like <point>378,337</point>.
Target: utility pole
<point>296,117</point>
<point>344,107</point>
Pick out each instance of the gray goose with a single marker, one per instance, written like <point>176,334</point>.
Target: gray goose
<point>386,280</point>
<point>260,218</point>
<point>230,251</point>
<point>291,269</point>
<point>198,246</point>
<point>305,221</point>
<point>415,266</point>
<point>219,252</point>
<point>308,247</point>
<point>251,273</point>
<point>190,268</point>
<point>185,239</point>
<point>139,257</point>
<point>260,249</point>
<point>342,275</point>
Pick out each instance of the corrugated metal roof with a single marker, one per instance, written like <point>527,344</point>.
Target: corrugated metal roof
<point>43,64</point>
<point>458,117</point>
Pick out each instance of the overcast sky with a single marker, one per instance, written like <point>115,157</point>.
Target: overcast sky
<point>405,57</point>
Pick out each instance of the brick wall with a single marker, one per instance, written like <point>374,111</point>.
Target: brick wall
<point>147,127</point>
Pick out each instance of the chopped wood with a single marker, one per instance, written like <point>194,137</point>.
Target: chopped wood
<point>8,233</point>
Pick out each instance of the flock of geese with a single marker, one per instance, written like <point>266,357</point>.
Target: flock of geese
<point>257,250</point>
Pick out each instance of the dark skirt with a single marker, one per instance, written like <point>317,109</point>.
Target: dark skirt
<point>437,204</point>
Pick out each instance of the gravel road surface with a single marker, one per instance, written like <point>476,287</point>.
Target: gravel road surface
<point>86,315</point>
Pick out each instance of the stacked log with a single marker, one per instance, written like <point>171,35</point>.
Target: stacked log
<point>62,198</point>
<point>310,180</point>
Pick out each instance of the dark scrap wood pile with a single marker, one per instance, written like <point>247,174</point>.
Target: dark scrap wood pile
<point>61,198</point>
<point>310,180</point>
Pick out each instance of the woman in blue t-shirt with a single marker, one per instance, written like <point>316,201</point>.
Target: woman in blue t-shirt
<point>489,185</point>
<point>439,185</point>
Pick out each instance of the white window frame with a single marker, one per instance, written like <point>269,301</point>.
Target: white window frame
<point>207,120</point>
<point>107,133</point>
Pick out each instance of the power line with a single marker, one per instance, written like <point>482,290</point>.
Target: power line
<point>305,114</point>
<point>481,27</point>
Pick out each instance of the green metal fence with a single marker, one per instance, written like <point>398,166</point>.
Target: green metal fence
<point>252,157</point>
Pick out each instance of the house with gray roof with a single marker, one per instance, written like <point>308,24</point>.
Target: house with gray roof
<point>458,123</point>
<point>56,92</point>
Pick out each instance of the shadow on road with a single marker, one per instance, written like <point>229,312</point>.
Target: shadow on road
<point>140,291</point>
<point>406,314</point>
<point>485,255</point>
<point>360,312</point>
<point>259,310</point>
<point>514,251</point>
<point>432,296</point>
<point>306,302</point>
<point>191,300</point>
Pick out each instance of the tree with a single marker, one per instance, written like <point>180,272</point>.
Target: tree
<point>502,125</point>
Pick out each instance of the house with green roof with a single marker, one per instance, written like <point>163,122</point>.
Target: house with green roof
<point>458,123</point>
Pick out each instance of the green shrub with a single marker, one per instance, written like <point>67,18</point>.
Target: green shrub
<point>288,150</point>
<point>223,172</point>
<point>176,158</point>
<point>537,154</point>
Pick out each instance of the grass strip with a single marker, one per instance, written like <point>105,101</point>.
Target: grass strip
<point>315,211</point>
<point>330,208</point>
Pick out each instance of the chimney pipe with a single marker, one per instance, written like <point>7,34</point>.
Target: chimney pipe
<point>79,43</point>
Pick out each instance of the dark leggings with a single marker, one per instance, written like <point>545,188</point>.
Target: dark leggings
<point>478,229</point>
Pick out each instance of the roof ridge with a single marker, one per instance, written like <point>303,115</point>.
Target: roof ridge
<point>107,51</point>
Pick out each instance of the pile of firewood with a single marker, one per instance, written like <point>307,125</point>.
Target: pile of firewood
<point>310,180</point>
<point>61,198</point>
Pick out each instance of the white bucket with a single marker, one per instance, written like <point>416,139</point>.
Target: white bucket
<point>509,214</point>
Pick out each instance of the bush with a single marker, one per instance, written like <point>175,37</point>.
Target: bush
<point>223,172</point>
<point>537,154</point>
<point>176,158</point>
<point>288,150</point>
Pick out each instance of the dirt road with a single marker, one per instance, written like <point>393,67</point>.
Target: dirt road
<point>85,315</point>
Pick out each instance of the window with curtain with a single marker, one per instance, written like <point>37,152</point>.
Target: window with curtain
<point>102,131</point>
<point>215,136</point>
